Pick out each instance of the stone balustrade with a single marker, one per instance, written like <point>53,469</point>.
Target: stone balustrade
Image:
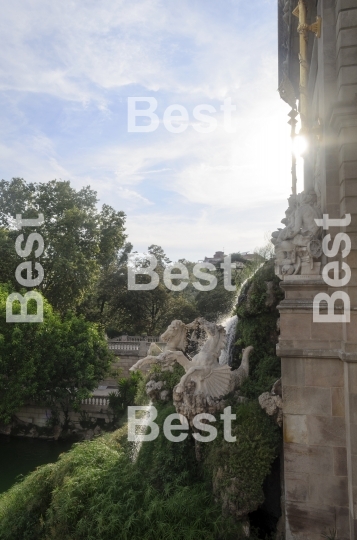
<point>99,401</point>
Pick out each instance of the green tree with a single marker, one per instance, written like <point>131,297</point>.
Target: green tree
<point>141,311</point>
<point>57,362</point>
<point>80,241</point>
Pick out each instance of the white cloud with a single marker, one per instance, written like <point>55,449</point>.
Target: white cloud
<point>187,191</point>
<point>75,49</point>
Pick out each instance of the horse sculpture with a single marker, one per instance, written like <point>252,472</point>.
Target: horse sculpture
<point>210,378</point>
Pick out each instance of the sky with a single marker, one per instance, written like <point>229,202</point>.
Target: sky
<point>67,71</point>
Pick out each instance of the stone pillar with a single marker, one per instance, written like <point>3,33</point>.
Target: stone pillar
<point>344,123</point>
<point>315,463</point>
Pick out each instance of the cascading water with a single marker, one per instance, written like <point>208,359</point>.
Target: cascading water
<point>141,431</point>
<point>230,325</point>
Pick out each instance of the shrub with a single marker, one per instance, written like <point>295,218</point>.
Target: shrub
<point>96,492</point>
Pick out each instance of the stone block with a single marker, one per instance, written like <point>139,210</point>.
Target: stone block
<point>348,188</point>
<point>327,332</point>
<point>354,468</point>
<point>342,5</point>
<point>348,152</point>
<point>348,169</point>
<point>326,431</point>
<point>348,134</point>
<point>307,522</point>
<point>346,38</point>
<point>351,376</point>
<point>326,373</point>
<point>338,402</point>
<point>339,461</point>
<point>293,371</point>
<point>347,19</point>
<point>296,487</point>
<point>347,75</point>
<point>307,400</point>
<point>347,92</point>
<point>295,429</point>
<point>328,489</point>
<point>308,459</point>
<point>348,205</point>
<point>352,398</point>
<point>347,57</point>
<point>295,324</point>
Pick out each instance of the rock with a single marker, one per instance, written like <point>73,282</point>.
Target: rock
<point>189,404</point>
<point>273,406</point>
<point>89,435</point>
<point>33,433</point>
<point>270,297</point>
<point>97,430</point>
<point>164,395</point>
<point>5,429</point>
<point>154,389</point>
<point>56,432</point>
<point>277,388</point>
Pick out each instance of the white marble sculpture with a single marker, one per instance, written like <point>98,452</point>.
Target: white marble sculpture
<point>209,377</point>
<point>175,338</point>
<point>298,246</point>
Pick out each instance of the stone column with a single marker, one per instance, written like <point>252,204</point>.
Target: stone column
<point>344,123</point>
<point>315,464</point>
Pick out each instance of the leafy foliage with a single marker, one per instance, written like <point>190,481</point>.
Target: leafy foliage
<point>125,396</point>
<point>239,469</point>
<point>54,362</point>
<point>79,241</point>
<point>96,491</point>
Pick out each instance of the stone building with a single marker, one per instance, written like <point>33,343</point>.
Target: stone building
<point>318,79</point>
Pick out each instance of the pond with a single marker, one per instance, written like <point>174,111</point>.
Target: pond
<point>21,455</point>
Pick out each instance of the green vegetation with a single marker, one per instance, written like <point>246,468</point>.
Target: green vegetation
<point>79,241</point>
<point>239,469</point>
<point>257,325</point>
<point>57,363</point>
<point>96,492</point>
<point>124,396</point>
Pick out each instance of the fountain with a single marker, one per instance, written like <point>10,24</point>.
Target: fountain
<point>230,325</point>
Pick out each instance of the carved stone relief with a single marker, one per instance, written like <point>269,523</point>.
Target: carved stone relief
<point>298,246</point>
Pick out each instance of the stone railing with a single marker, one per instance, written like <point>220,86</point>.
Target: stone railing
<point>96,400</point>
<point>123,346</point>
<point>136,339</point>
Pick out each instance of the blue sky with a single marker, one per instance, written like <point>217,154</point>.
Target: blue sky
<point>67,70</point>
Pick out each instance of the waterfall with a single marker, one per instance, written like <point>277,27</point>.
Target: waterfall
<point>141,431</point>
<point>230,325</point>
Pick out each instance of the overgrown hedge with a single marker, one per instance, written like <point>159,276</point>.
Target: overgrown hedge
<point>95,492</point>
<point>257,325</point>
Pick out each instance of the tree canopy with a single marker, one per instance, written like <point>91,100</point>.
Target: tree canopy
<point>79,240</point>
<point>56,362</point>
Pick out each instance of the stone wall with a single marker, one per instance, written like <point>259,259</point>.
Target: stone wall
<point>319,360</point>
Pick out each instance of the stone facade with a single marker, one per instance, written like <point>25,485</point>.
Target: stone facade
<point>319,360</point>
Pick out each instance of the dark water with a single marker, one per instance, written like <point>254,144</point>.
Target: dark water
<point>19,456</point>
